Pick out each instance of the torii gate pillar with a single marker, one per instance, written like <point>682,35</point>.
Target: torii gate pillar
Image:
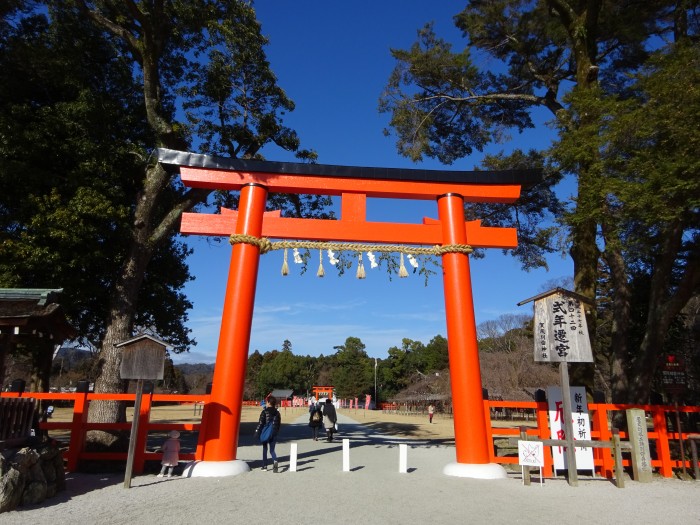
<point>218,436</point>
<point>471,441</point>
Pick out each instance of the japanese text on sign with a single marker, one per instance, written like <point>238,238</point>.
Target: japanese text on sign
<point>561,333</point>
<point>581,424</point>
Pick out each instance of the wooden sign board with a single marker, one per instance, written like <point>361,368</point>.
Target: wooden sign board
<point>143,358</point>
<point>561,333</point>
<point>673,376</point>
<point>639,438</point>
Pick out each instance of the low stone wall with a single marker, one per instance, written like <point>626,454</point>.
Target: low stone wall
<point>29,475</point>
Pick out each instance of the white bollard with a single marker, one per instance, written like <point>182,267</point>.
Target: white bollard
<point>403,458</point>
<point>346,455</point>
<point>293,457</point>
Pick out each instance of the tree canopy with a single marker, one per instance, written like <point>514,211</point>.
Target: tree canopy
<point>648,188</point>
<point>580,61</point>
<point>118,80</point>
<point>72,142</point>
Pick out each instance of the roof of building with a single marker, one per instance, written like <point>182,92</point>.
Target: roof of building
<point>140,337</point>
<point>33,312</point>
<point>282,394</point>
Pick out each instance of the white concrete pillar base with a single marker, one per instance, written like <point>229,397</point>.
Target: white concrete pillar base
<point>476,471</point>
<point>215,469</point>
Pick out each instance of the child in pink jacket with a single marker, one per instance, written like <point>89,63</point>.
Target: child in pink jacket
<point>171,453</point>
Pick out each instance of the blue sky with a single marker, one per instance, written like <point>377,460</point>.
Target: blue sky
<point>333,60</point>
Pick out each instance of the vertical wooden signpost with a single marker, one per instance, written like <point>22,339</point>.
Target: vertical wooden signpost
<point>639,441</point>
<point>250,228</point>
<point>143,357</point>
<point>561,336</point>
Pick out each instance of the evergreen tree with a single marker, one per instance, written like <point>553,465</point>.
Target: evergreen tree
<point>444,105</point>
<point>648,191</point>
<point>353,374</point>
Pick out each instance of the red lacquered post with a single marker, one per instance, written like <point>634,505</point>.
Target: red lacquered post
<point>471,439</point>
<point>222,414</point>
<point>77,431</point>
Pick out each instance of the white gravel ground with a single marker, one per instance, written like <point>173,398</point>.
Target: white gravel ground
<point>373,492</point>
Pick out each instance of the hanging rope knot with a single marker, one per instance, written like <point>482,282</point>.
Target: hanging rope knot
<point>262,243</point>
<point>454,248</point>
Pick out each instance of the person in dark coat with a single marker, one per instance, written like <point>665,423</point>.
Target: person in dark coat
<point>315,420</point>
<point>330,418</point>
<point>270,413</point>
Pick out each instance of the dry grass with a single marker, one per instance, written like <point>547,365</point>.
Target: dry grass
<point>401,425</point>
<point>412,427</point>
<point>409,426</point>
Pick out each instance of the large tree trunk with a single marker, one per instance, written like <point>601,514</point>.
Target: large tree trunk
<point>585,254</point>
<point>666,301</point>
<point>122,311</point>
<point>581,23</point>
<point>621,311</point>
<point>148,232</point>
<point>118,329</point>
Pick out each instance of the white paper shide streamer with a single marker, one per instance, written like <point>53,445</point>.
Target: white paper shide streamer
<point>372,260</point>
<point>332,258</point>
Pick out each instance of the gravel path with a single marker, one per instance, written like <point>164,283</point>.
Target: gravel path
<point>373,492</point>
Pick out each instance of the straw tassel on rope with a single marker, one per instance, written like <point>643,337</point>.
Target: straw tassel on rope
<point>320,272</point>
<point>360,267</point>
<point>402,268</point>
<point>285,264</point>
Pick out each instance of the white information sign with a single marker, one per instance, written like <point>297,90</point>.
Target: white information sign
<point>530,453</point>
<point>561,333</point>
<point>581,423</point>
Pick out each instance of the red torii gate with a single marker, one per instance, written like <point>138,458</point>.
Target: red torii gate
<point>218,438</point>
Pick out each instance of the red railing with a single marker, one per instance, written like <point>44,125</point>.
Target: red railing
<point>80,425</point>
<point>600,414</point>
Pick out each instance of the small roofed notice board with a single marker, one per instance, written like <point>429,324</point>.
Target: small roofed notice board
<point>143,357</point>
<point>561,333</point>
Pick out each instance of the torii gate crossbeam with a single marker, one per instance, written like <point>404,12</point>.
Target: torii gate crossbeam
<point>218,438</point>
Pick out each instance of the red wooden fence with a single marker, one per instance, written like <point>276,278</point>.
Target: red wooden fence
<point>661,437</point>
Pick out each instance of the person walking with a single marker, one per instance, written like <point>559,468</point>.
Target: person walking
<point>269,423</point>
<point>315,420</point>
<point>431,412</point>
<point>330,418</point>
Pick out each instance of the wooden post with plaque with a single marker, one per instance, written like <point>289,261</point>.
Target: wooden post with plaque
<point>561,336</point>
<point>143,357</point>
<point>639,439</point>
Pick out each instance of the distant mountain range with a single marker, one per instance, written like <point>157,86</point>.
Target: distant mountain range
<point>73,357</point>
<point>196,368</point>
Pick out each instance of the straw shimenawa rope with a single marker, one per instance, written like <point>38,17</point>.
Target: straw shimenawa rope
<point>266,245</point>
